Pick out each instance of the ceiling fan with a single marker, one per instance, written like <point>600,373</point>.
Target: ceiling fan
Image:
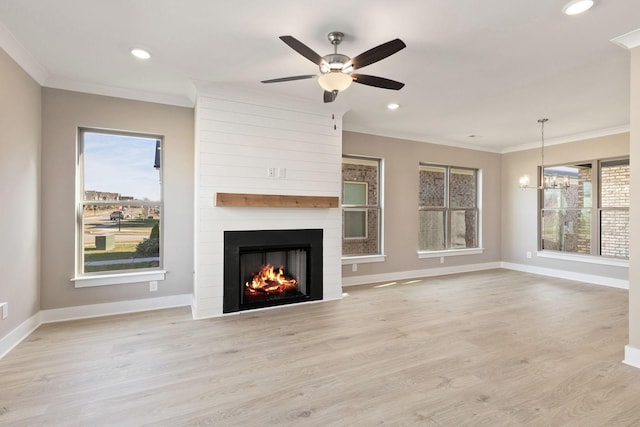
<point>336,69</point>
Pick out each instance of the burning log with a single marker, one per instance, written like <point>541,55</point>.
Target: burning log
<point>271,282</point>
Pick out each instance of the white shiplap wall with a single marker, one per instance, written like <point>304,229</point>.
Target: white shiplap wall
<point>239,136</point>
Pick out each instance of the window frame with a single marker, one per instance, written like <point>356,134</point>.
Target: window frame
<point>379,256</point>
<point>596,209</point>
<point>114,277</point>
<point>448,250</point>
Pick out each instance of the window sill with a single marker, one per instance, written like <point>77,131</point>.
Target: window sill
<point>118,279</point>
<point>590,259</point>
<point>449,252</point>
<point>362,259</point>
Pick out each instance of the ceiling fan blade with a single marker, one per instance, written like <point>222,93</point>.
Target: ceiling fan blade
<point>376,54</point>
<point>302,49</point>
<point>330,96</point>
<point>377,81</point>
<point>287,79</point>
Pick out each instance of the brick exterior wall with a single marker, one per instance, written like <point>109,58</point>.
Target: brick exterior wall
<point>363,173</point>
<point>431,193</point>
<point>570,230</point>
<point>614,224</point>
<point>582,220</point>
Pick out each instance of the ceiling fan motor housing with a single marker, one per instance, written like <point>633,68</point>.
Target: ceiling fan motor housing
<point>334,62</point>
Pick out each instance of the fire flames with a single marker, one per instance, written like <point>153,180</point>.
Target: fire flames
<point>269,281</point>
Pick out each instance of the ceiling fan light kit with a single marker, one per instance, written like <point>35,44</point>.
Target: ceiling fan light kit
<point>334,80</point>
<point>336,69</point>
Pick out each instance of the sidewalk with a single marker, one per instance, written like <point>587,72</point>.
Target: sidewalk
<point>122,261</point>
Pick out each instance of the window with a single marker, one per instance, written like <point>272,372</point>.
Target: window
<point>119,202</point>
<point>447,208</point>
<point>361,207</point>
<point>355,219</point>
<point>590,216</point>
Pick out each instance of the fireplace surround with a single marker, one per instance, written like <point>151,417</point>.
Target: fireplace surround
<point>296,255</point>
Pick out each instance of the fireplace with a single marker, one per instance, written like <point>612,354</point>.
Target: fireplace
<point>266,268</point>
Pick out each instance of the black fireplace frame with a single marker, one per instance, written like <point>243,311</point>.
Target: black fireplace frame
<point>235,242</point>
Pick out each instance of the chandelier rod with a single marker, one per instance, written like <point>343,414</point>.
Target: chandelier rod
<point>542,122</point>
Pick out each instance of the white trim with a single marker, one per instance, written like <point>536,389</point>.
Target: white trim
<point>412,274</point>
<point>419,138</point>
<point>22,56</point>
<point>112,308</point>
<point>178,100</point>
<point>569,138</point>
<point>15,337</point>
<point>569,275</point>
<point>589,259</point>
<point>449,252</point>
<point>363,259</point>
<point>628,41</point>
<point>631,356</point>
<point>118,279</point>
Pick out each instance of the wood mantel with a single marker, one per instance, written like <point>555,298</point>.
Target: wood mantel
<point>275,201</point>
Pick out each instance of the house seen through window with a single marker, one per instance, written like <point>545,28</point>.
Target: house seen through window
<point>447,208</point>
<point>361,207</point>
<point>589,214</point>
<point>119,202</point>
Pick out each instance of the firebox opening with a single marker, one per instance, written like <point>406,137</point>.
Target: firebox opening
<point>271,275</point>
<point>264,268</point>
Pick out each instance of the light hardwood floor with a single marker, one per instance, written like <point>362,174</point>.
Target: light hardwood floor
<point>489,348</point>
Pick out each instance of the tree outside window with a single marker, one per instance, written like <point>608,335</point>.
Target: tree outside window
<point>447,208</point>
<point>590,216</point>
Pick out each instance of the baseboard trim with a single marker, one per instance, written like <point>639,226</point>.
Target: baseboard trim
<point>631,356</point>
<point>112,308</point>
<point>569,275</point>
<point>15,337</point>
<point>412,274</point>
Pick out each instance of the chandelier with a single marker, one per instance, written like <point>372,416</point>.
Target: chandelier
<point>545,181</point>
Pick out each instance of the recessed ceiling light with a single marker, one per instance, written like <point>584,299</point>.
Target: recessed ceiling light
<point>140,53</point>
<point>575,7</point>
<point>393,106</point>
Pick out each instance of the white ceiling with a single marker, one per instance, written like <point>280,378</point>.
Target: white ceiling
<point>489,68</point>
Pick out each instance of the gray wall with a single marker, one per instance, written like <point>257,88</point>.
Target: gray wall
<point>519,212</point>
<point>401,161</point>
<point>20,100</point>
<point>62,113</point>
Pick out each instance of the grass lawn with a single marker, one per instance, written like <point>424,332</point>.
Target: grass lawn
<point>121,251</point>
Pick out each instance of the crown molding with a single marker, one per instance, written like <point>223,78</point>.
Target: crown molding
<point>628,41</point>
<point>418,138</point>
<point>22,56</point>
<point>569,138</point>
<point>118,92</point>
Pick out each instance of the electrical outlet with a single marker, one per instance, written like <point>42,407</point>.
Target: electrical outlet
<point>153,286</point>
<point>271,172</point>
<point>441,260</point>
<point>282,173</point>
<point>5,310</point>
<point>528,254</point>
<point>354,267</point>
